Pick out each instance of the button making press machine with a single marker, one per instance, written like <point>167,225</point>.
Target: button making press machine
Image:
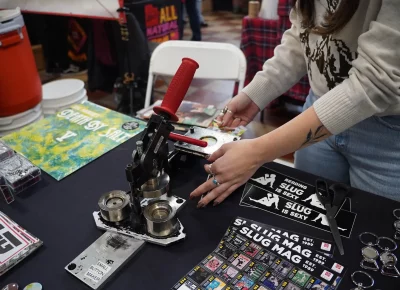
<point>148,211</point>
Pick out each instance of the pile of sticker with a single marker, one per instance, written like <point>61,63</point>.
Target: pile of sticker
<point>16,173</point>
<point>255,256</point>
<point>16,243</point>
<point>279,194</point>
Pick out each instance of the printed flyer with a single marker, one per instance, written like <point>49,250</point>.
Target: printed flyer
<point>252,257</point>
<point>162,22</point>
<point>63,143</point>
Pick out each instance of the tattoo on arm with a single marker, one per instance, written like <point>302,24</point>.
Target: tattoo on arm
<point>315,137</point>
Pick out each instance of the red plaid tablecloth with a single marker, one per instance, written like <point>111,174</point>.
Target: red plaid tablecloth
<point>259,39</point>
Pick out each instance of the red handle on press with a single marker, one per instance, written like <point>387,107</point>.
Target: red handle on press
<point>177,89</point>
<point>188,140</point>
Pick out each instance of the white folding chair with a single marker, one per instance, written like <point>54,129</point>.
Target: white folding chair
<point>219,61</point>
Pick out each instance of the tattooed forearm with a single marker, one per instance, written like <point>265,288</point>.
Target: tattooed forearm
<point>314,137</point>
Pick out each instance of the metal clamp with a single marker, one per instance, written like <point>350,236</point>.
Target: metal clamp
<point>370,243</point>
<point>359,284</point>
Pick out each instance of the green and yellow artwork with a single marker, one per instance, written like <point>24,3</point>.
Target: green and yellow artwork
<point>62,143</point>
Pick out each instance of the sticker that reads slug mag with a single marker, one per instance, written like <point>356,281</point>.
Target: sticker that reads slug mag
<point>254,232</point>
<point>310,242</point>
<point>259,262</point>
<point>299,257</point>
<point>273,203</point>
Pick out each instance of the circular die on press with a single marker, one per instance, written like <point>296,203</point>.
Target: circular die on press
<point>160,218</point>
<point>114,206</point>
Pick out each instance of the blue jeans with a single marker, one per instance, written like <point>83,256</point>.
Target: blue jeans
<point>199,7</point>
<point>366,156</point>
<point>191,10</point>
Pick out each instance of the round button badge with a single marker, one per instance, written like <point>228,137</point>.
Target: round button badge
<point>33,286</point>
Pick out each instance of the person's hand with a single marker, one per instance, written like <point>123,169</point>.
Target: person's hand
<point>241,111</point>
<point>232,165</point>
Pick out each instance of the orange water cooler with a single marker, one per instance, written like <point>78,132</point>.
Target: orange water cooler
<point>20,85</point>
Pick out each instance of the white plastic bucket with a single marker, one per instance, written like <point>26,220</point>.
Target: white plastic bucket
<point>62,93</point>
<point>16,122</point>
<point>51,110</point>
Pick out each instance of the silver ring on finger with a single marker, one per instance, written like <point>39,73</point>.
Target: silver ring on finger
<point>215,181</point>
<point>225,110</point>
<point>229,111</point>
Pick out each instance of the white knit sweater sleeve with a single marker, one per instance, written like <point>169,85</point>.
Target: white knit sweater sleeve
<point>280,72</point>
<point>374,82</point>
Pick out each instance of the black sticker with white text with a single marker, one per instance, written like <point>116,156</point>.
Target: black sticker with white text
<point>310,261</point>
<point>273,203</point>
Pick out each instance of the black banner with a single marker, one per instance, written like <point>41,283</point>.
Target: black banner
<point>322,246</point>
<point>255,231</point>
<point>263,199</point>
<point>233,239</point>
<point>256,256</point>
<point>317,265</point>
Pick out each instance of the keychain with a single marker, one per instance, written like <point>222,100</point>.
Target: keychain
<point>389,262</point>
<point>388,259</point>
<point>360,285</point>
<point>396,214</point>
<point>369,253</point>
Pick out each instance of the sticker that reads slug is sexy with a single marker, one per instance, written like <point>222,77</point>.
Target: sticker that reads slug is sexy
<point>288,187</point>
<point>273,203</point>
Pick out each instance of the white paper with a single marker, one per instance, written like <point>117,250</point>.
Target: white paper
<point>269,9</point>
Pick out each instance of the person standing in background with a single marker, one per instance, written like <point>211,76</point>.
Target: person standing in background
<point>194,20</point>
<point>199,7</point>
<point>350,51</point>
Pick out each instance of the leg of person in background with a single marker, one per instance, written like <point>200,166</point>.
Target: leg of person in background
<point>181,22</point>
<point>184,15</point>
<point>199,6</point>
<point>193,19</point>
